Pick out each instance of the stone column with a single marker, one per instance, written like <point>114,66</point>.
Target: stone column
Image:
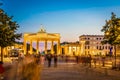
<point>82,47</point>
<point>71,53</point>
<point>65,48</point>
<point>37,46</point>
<point>5,51</point>
<point>31,48</point>
<point>52,47</point>
<point>25,47</point>
<point>58,47</point>
<point>45,46</point>
<point>77,49</point>
<point>68,50</point>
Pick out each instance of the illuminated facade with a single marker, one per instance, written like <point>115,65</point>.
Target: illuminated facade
<point>41,36</point>
<point>91,44</point>
<point>7,49</point>
<point>70,49</point>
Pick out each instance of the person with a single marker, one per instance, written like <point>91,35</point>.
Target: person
<point>77,59</point>
<point>89,59</point>
<point>49,58</point>
<point>42,59</point>
<point>21,56</point>
<point>94,61</point>
<point>2,70</point>
<point>55,60</point>
<point>66,58</point>
<point>103,61</point>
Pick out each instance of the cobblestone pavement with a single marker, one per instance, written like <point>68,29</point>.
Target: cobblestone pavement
<point>78,72</point>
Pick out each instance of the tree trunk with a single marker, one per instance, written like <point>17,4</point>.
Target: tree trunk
<point>2,54</point>
<point>115,55</point>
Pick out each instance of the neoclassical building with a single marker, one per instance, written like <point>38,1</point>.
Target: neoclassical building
<point>91,44</point>
<point>41,36</point>
<point>71,49</point>
<point>7,50</point>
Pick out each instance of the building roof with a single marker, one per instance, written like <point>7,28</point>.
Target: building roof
<point>91,36</point>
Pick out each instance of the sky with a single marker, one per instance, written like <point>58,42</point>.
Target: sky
<point>70,18</point>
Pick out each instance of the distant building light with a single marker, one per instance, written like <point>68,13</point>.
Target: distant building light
<point>1,23</point>
<point>12,47</point>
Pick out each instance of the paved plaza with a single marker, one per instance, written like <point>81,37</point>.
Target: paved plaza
<point>64,71</point>
<point>78,72</point>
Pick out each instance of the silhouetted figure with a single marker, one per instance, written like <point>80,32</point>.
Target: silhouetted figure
<point>49,58</point>
<point>66,58</point>
<point>89,60</point>
<point>55,60</point>
<point>77,59</point>
<point>94,61</point>
<point>103,61</point>
<point>42,59</point>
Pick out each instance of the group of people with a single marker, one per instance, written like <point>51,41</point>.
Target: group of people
<point>49,59</point>
<point>42,58</point>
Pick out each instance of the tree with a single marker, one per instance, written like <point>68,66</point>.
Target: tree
<point>8,31</point>
<point>112,32</point>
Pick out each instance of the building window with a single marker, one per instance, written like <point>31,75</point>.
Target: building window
<point>88,52</point>
<point>96,47</point>
<point>88,47</point>
<point>100,48</point>
<point>97,38</point>
<point>87,43</point>
<point>103,47</point>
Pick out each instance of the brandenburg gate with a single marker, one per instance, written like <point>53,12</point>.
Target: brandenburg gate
<point>42,36</point>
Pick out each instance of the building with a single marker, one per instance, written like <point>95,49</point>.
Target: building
<point>41,36</point>
<point>16,47</point>
<point>70,49</point>
<point>91,44</point>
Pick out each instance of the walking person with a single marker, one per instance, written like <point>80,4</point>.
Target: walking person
<point>89,59</point>
<point>77,59</point>
<point>55,60</point>
<point>49,58</point>
<point>42,59</point>
<point>103,61</point>
<point>94,61</point>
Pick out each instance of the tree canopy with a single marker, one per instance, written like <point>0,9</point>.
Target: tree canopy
<point>112,33</point>
<point>111,30</point>
<point>8,30</point>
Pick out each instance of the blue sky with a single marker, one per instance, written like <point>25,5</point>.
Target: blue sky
<point>70,18</point>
